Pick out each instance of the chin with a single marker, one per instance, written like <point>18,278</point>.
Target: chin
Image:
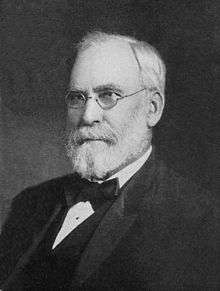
<point>91,160</point>
<point>96,159</point>
<point>99,160</point>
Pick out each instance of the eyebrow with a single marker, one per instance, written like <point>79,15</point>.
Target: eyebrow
<point>101,88</point>
<point>109,86</point>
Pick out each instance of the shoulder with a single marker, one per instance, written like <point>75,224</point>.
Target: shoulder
<point>177,198</point>
<point>38,198</point>
<point>29,211</point>
<point>171,182</point>
<point>179,218</point>
<point>186,190</point>
<point>182,205</point>
<point>180,187</point>
<point>45,190</point>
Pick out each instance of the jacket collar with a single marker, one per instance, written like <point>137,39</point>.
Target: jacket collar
<point>117,221</point>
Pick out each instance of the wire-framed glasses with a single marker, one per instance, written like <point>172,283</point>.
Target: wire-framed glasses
<point>106,99</point>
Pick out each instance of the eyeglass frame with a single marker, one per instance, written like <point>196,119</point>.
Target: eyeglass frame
<point>85,98</point>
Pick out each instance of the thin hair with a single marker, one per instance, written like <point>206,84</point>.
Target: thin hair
<point>150,63</point>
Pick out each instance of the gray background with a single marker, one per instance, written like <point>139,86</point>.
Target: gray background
<point>36,55</point>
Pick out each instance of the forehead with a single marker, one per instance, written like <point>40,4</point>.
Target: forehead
<point>109,62</point>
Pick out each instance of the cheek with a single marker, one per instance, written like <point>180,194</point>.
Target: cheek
<point>122,114</point>
<point>115,120</point>
<point>74,117</point>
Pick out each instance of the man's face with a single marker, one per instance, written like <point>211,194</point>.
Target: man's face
<point>101,142</point>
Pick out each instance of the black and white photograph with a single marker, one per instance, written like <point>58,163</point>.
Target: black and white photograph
<point>108,145</point>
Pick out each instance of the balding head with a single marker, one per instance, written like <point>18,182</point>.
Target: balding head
<point>149,61</point>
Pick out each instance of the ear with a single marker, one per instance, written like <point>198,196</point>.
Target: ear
<point>156,106</point>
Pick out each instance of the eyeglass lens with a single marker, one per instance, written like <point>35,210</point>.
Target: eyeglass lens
<point>77,99</point>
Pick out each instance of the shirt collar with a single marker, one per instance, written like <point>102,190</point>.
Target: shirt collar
<point>126,173</point>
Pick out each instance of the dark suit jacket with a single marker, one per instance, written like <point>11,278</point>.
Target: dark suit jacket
<point>160,234</point>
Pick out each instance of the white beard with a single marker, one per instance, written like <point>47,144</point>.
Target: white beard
<point>116,148</point>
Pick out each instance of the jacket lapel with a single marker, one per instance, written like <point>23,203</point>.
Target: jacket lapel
<point>116,223</point>
<point>25,258</point>
<point>105,239</point>
<point>48,210</point>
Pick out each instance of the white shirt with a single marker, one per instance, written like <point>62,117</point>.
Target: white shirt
<point>82,210</point>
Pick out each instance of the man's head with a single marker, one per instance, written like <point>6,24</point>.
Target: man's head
<point>102,139</point>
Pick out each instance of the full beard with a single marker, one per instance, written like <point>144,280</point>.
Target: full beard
<point>98,151</point>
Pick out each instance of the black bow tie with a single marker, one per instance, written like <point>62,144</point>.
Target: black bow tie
<point>96,193</point>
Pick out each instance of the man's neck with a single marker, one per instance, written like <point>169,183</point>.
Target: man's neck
<point>125,172</point>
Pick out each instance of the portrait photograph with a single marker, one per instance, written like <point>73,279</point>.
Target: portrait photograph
<point>108,145</point>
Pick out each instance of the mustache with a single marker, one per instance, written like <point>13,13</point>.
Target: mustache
<point>87,133</point>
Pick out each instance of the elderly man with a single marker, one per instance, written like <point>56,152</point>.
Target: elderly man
<point>122,220</point>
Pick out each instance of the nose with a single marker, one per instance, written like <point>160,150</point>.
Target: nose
<point>92,113</point>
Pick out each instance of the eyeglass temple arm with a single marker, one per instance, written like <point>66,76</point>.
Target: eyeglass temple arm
<point>121,97</point>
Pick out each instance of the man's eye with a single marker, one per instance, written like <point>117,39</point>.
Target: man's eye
<point>107,97</point>
<point>107,94</point>
<point>76,96</point>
